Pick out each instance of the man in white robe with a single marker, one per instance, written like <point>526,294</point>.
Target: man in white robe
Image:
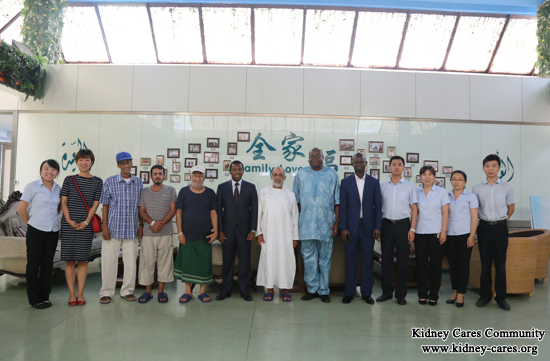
<point>277,234</point>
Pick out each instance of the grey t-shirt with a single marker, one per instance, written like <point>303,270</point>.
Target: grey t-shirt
<point>157,206</point>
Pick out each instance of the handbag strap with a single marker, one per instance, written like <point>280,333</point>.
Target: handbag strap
<point>78,189</point>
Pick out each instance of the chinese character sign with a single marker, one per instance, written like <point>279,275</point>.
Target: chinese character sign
<point>68,160</point>
<point>291,150</point>
<point>259,143</point>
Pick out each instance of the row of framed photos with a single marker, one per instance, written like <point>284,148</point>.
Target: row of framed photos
<point>375,173</point>
<point>347,145</point>
<point>176,178</point>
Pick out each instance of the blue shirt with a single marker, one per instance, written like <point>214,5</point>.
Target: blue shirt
<point>42,205</point>
<point>494,199</point>
<point>397,199</point>
<point>460,218</point>
<point>123,199</point>
<point>317,193</point>
<point>430,216</point>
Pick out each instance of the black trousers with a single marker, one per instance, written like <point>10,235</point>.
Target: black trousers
<point>459,255</point>
<point>236,244</point>
<point>428,252</point>
<point>394,236</point>
<point>41,248</point>
<point>493,245</point>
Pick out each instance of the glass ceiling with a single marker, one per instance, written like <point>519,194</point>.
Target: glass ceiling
<point>294,35</point>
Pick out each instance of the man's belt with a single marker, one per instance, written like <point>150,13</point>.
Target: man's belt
<point>492,223</point>
<point>396,221</point>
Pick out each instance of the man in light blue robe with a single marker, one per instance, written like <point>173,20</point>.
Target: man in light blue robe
<point>317,190</point>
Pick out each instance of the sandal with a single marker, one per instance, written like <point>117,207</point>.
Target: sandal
<point>186,298</point>
<point>105,300</point>
<point>287,295</point>
<point>203,296</point>
<point>163,297</point>
<point>71,303</point>
<point>268,297</point>
<point>129,298</point>
<point>145,297</point>
<point>80,302</point>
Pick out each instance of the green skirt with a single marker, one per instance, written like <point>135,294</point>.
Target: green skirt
<point>194,262</point>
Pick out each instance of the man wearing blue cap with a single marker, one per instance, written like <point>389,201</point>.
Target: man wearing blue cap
<point>121,228</point>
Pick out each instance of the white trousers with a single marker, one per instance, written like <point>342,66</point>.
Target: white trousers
<point>110,251</point>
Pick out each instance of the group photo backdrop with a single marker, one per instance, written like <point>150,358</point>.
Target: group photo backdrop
<point>264,142</point>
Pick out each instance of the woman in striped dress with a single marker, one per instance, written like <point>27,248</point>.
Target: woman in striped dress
<point>76,224</point>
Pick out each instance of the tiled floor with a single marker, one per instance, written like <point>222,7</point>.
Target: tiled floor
<point>237,330</point>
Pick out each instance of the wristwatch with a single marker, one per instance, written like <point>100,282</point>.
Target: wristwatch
<point>412,229</point>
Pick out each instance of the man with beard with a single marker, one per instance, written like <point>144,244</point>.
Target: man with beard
<point>120,199</point>
<point>360,222</point>
<point>197,223</point>
<point>157,207</point>
<point>317,191</point>
<point>278,236</point>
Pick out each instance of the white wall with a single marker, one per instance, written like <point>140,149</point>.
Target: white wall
<point>293,91</point>
<point>457,144</point>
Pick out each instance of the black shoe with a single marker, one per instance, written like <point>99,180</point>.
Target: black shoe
<point>384,298</point>
<point>449,301</point>
<point>432,303</point>
<point>222,296</point>
<point>402,301</point>
<point>460,304</point>
<point>368,299</point>
<point>503,304</point>
<point>48,303</point>
<point>422,302</point>
<point>247,297</point>
<point>347,299</point>
<point>325,298</point>
<point>308,296</point>
<point>39,306</point>
<point>482,301</point>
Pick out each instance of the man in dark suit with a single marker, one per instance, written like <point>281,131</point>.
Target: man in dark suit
<point>238,213</point>
<point>360,222</point>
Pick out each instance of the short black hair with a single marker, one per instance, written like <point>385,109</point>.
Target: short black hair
<point>52,163</point>
<point>156,166</point>
<point>236,162</point>
<point>490,158</point>
<point>398,158</point>
<point>426,168</point>
<point>83,153</point>
<point>461,172</point>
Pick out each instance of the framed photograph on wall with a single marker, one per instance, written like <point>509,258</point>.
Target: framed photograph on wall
<point>187,177</point>
<point>374,161</point>
<point>347,174</point>
<point>160,159</point>
<point>175,178</point>
<point>418,179</point>
<point>173,153</point>
<point>413,157</point>
<point>243,137</point>
<point>165,174</point>
<point>176,167</point>
<point>213,142</point>
<point>375,173</point>
<point>432,163</point>
<point>440,182</point>
<point>376,147</point>
<point>211,157</point>
<point>386,166</point>
<point>226,165</point>
<point>133,170</point>
<point>145,162</point>
<point>447,170</point>
<point>144,176</point>
<point>190,162</point>
<point>347,144</point>
<point>212,174</point>
<point>194,148</point>
<point>345,159</point>
<point>408,172</point>
<point>392,151</point>
<point>231,148</point>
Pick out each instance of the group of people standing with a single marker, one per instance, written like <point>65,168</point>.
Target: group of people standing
<point>393,213</point>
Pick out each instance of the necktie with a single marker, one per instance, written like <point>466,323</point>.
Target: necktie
<point>236,194</point>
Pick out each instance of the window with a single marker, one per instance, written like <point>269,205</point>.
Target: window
<point>82,40</point>
<point>8,10</point>
<point>518,49</point>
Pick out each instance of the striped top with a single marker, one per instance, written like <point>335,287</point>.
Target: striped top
<point>157,206</point>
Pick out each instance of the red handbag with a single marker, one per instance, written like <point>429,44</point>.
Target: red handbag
<point>96,219</point>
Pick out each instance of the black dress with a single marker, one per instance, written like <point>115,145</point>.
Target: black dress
<point>76,245</point>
